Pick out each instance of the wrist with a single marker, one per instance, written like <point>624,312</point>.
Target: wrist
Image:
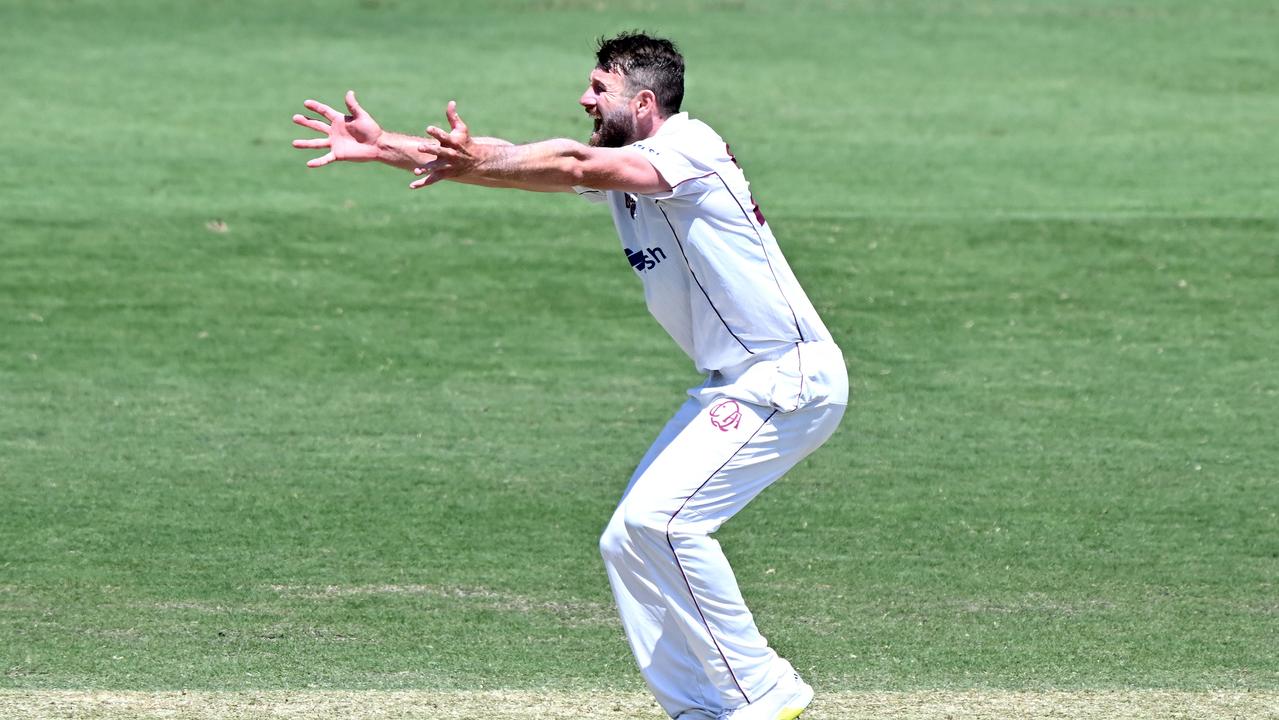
<point>388,146</point>
<point>399,151</point>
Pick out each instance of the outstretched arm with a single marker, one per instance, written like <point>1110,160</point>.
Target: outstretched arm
<point>547,165</point>
<point>357,137</point>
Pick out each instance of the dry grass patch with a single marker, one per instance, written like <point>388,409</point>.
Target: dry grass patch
<point>512,705</point>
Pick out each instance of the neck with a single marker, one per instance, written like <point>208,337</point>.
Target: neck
<point>650,127</point>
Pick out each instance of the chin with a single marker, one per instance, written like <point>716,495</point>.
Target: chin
<point>609,141</point>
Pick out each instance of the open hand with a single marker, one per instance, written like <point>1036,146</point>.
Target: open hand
<point>352,137</point>
<point>456,152</point>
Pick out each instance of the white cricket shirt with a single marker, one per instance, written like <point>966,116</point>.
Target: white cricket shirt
<point>716,280</point>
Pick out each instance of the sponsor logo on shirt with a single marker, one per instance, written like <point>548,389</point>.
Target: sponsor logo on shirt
<point>643,260</point>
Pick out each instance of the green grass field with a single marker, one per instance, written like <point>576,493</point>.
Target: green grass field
<point>270,429</point>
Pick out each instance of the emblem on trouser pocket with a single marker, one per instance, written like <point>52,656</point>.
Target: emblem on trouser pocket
<point>726,415</point>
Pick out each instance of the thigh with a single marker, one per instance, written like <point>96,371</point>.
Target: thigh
<point>724,456</point>
<point>670,431</point>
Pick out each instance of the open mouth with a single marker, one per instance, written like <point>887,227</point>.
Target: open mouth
<point>598,122</point>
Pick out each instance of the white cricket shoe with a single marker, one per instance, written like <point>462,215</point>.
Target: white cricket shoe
<point>788,698</point>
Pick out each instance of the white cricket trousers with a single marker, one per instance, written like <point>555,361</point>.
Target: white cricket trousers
<point>693,637</point>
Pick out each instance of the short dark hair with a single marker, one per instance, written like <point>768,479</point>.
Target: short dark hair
<point>647,63</point>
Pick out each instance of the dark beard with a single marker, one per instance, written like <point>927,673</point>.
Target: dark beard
<point>615,130</point>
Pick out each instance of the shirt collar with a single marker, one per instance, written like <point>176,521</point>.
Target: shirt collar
<point>672,123</point>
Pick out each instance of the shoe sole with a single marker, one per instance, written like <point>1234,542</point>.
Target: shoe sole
<point>794,711</point>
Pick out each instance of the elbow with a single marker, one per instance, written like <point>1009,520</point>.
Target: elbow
<point>575,172</point>
<point>575,163</point>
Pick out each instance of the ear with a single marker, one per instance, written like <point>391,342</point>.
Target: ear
<point>646,102</point>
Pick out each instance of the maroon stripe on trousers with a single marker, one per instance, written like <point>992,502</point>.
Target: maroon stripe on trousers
<point>679,565</point>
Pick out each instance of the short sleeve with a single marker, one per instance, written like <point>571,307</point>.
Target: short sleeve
<point>676,167</point>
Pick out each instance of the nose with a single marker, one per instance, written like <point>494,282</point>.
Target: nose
<point>588,99</point>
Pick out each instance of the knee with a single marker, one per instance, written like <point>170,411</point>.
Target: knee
<point>641,522</point>
<point>618,540</point>
<point>614,540</point>
<point>632,526</point>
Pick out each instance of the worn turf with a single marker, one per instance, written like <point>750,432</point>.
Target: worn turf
<point>271,429</point>
<point>515,705</point>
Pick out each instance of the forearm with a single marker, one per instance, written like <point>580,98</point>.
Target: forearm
<point>561,165</point>
<point>403,151</point>
<point>546,165</point>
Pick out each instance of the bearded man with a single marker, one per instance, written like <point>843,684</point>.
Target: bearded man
<point>716,281</point>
